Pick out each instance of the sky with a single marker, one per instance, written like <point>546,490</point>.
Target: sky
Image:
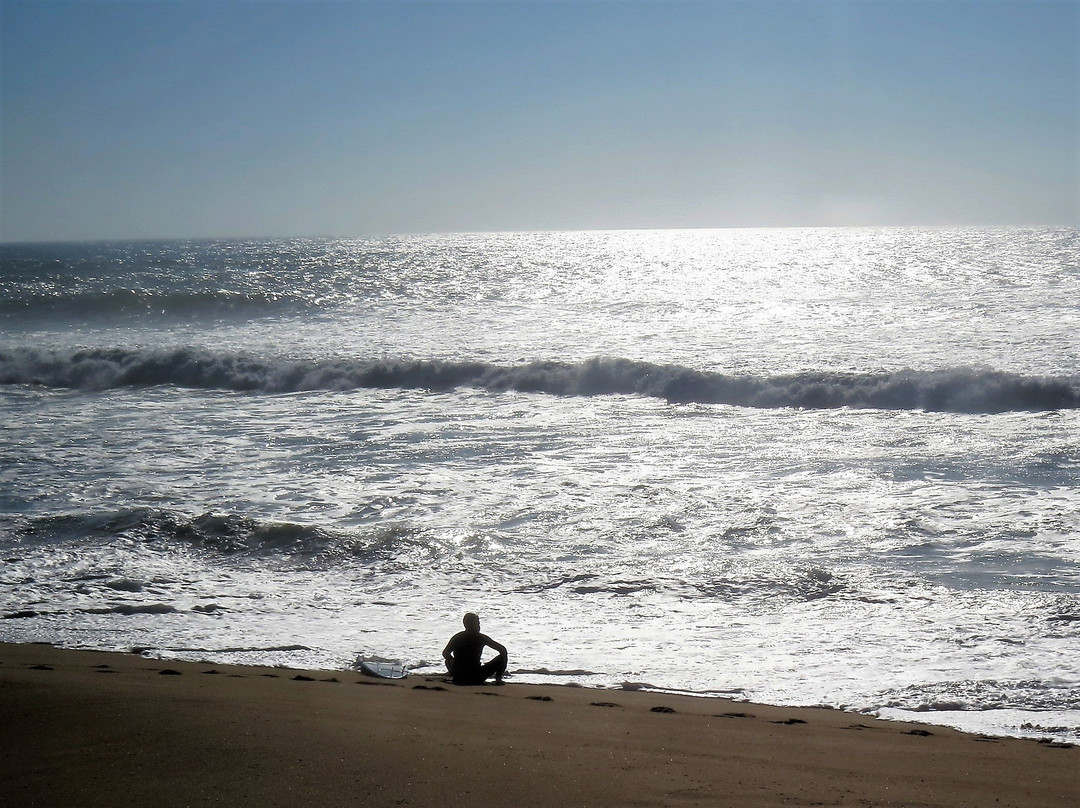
<point>230,118</point>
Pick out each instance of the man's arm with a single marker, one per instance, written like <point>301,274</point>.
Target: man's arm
<point>490,643</point>
<point>448,654</point>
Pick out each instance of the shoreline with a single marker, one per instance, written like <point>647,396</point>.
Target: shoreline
<point>108,728</point>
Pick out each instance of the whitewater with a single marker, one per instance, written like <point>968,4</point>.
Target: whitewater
<point>799,466</point>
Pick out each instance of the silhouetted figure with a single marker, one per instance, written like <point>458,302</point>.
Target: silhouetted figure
<point>462,655</point>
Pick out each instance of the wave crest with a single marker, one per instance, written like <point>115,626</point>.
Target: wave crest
<point>949,390</point>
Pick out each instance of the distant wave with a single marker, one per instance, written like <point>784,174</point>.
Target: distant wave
<point>201,304</point>
<point>951,390</point>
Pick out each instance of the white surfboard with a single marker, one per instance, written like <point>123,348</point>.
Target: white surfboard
<point>382,670</point>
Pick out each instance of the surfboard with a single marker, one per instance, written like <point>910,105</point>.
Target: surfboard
<point>382,670</point>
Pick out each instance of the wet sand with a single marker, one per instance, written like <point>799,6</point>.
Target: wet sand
<point>106,729</point>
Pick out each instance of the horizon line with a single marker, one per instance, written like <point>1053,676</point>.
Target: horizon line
<point>514,231</point>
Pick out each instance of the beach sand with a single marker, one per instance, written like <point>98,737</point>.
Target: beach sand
<point>84,728</point>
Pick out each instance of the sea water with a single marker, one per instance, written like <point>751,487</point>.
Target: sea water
<point>820,466</point>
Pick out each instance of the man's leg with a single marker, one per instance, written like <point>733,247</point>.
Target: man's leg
<point>496,667</point>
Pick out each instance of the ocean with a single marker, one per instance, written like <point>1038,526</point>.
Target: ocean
<point>837,467</point>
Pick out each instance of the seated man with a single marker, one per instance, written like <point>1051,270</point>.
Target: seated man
<point>462,655</point>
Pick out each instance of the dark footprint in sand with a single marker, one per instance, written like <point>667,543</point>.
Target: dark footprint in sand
<point>603,704</point>
<point>331,679</point>
<point>41,668</point>
<point>169,672</point>
<point>858,726</point>
<point>269,675</point>
<point>301,678</point>
<point>733,715</point>
<point>789,721</point>
<point>921,732</point>
<point>662,710</point>
<point>539,698</point>
<point>421,687</point>
<point>211,671</point>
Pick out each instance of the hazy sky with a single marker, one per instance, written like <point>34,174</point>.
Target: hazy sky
<point>185,118</point>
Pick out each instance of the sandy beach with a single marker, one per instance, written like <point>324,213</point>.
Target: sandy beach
<point>107,729</point>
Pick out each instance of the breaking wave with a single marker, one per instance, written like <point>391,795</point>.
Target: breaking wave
<point>950,390</point>
<point>231,534</point>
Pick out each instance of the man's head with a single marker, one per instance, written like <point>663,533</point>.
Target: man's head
<point>471,622</point>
